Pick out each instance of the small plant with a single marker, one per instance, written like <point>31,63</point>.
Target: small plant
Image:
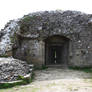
<point>20,77</point>
<point>24,24</point>
<point>4,55</point>
<point>43,67</point>
<point>23,81</point>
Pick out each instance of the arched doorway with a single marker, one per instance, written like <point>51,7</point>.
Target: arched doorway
<point>56,50</point>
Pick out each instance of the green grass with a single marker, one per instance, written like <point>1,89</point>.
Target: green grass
<point>5,56</point>
<point>23,82</point>
<point>43,67</point>
<point>84,69</point>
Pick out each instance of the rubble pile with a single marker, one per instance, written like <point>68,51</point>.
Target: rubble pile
<point>11,68</point>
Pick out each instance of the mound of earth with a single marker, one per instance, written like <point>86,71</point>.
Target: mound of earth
<point>11,68</point>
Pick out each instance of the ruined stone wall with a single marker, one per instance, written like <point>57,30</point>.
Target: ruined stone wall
<point>36,27</point>
<point>30,51</point>
<point>81,49</point>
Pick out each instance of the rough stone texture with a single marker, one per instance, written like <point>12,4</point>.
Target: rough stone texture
<point>7,38</point>
<point>34,28</point>
<point>11,68</point>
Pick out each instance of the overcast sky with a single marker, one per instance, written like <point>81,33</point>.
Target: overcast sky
<point>13,9</point>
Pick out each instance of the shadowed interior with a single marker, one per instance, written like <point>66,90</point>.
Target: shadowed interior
<point>56,50</point>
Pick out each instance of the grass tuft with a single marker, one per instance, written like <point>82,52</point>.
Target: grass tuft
<point>84,69</point>
<point>24,81</point>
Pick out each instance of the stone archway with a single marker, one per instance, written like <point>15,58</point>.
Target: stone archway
<point>56,50</point>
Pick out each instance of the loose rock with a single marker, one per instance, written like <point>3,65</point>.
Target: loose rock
<point>11,68</point>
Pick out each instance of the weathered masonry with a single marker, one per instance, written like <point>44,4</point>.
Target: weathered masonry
<point>54,38</point>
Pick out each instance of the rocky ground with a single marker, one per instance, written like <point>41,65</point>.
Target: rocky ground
<point>57,80</point>
<point>11,68</point>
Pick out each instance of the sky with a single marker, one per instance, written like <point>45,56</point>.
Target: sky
<point>13,9</point>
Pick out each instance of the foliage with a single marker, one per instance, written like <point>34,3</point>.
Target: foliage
<point>24,24</point>
<point>14,38</point>
<point>43,67</point>
<point>26,19</point>
<point>84,69</point>
<point>4,55</point>
<point>23,81</point>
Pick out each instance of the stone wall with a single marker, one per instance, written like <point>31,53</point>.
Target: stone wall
<point>36,27</point>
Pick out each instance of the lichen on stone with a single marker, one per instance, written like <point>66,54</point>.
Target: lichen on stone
<point>73,25</point>
<point>9,31</point>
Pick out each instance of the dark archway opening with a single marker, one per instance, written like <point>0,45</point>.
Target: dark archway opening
<point>56,50</point>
